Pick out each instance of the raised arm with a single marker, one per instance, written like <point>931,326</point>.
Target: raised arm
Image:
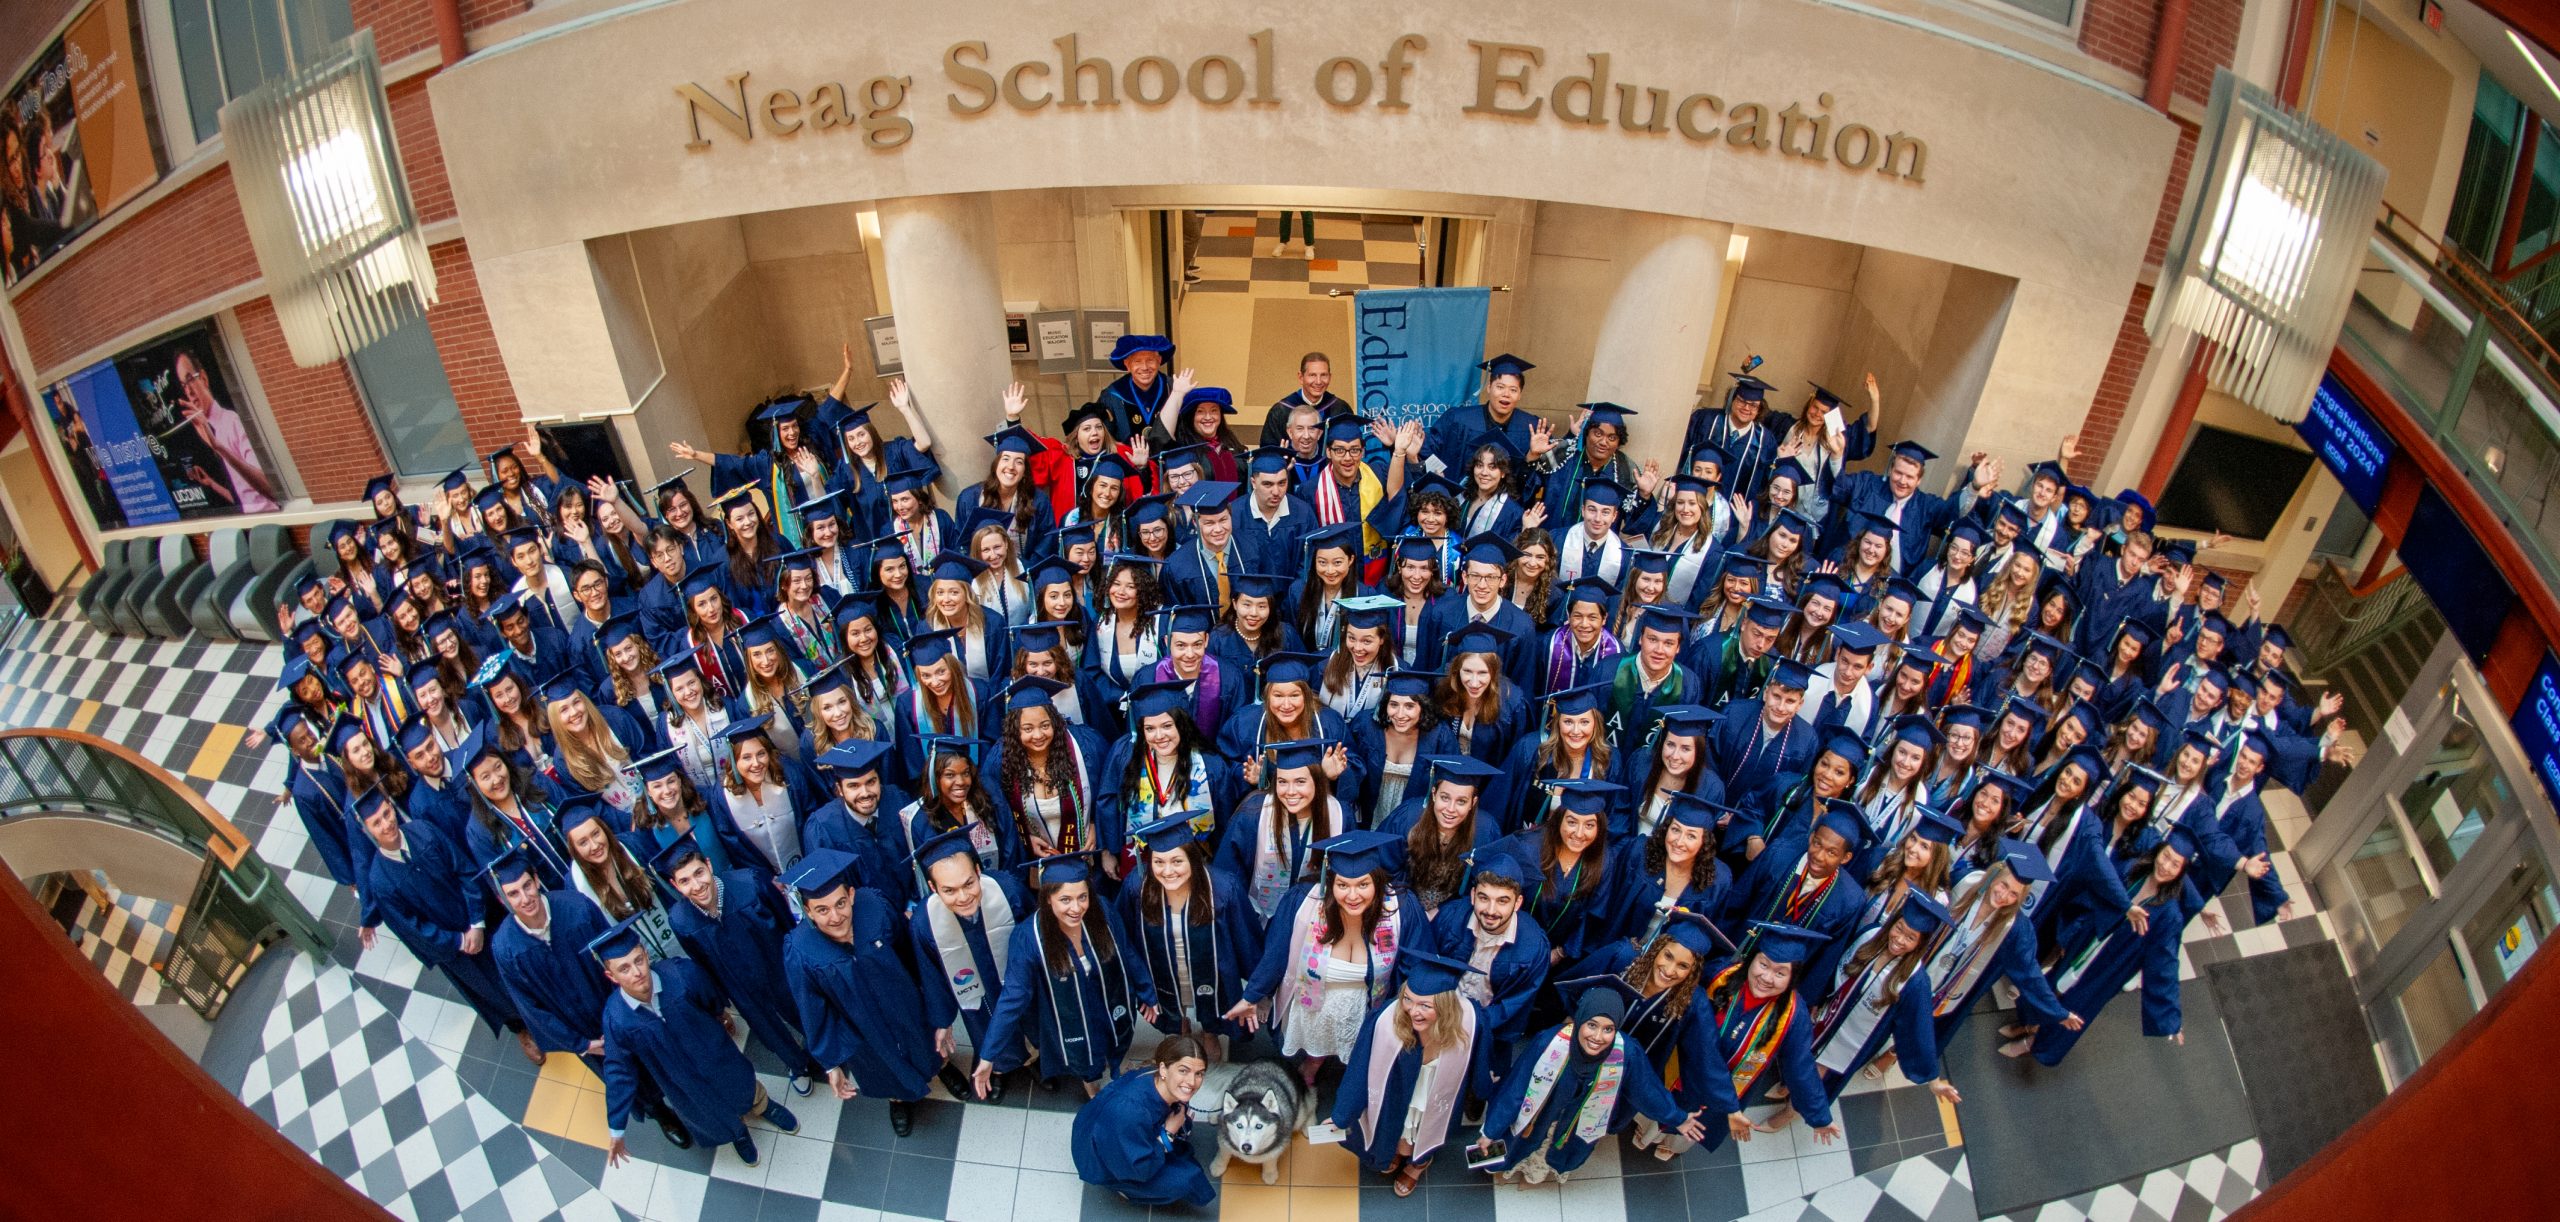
<point>904,399</point>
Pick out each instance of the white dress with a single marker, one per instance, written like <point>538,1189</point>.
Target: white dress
<point>1332,1028</point>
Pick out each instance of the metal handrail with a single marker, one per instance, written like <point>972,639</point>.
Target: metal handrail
<point>2345,622</point>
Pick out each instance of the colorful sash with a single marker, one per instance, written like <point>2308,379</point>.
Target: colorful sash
<point>1599,1100</point>
<point>1757,1030</point>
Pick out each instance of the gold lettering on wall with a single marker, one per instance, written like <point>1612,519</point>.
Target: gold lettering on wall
<point>1510,82</point>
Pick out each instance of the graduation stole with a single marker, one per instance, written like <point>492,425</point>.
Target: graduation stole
<point>1155,798</point>
<point>1627,689</point>
<point>1316,942</point>
<point>1437,1107</point>
<point>1835,1008</point>
<point>1565,668</point>
<point>1075,816</point>
<point>1757,1030</point>
<point>1116,997</point>
<point>951,942</point>
<point>1200,951</point>
<point>1599,1099</point>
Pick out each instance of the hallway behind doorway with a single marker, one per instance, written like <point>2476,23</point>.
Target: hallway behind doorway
<point>1253,311</point>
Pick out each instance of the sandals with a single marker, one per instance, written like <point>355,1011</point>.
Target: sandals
<point>1406,1179</point>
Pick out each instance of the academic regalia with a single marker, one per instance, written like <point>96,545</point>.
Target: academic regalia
<point>859,1007</point>
<point>1245,836</point>
<point>1846,1002</point>
<point>445,807</point>
<point>1769,891</point>
<point>319,793</point>
<point>985,969</point>
<point>1228,646</point>
<point>1367,745</point>
<point>1750,758</point>
<point>1553,1127</point>
<point>1683,1047</point>
<point>742,950</point>
<point>1511,980</point>
<point>1636,705</point>
<point>555,985</point>
<point>2244,823</point>
<point>1960,968</point>
<point>1445,615</point>
<point>1574,922</point>
<point>1081,752</point>
<point>1641,902</point>
<point>430,897</point>
<point>1792,1055</point>
<point>2101,955</point>
<point>1118,1141</point>
<point>1220,952</point>
<point>1469,1060</point>
<point>683,1050</point>
<point>1081,1024</point>
<point>878,843</point>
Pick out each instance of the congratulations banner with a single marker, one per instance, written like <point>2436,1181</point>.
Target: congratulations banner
<point>1418,350</point>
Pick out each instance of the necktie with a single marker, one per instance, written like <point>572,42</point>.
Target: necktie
<point>1219,563</point>
<point>1830,701</point>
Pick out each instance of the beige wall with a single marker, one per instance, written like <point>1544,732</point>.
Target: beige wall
<point>2034,174</point>
<point>45,537</point>
<point>2401,93</point>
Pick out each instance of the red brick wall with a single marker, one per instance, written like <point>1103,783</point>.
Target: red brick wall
<point>413,126</point>
<point>404,26</point>
<point>24,27</point>
<point>2115,389</point>
<point>319,420</point>
<point>187,247</point>
<point>470,352</point>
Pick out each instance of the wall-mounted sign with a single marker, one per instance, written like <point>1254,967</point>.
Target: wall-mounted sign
<point>156,435</point>
<point>2537,726</point>
<point>1102,331</point>
<point>1501,82</point>
<point>74,139</point>
<point>1053,340</point>
<point>882,332</point>
<point>2349,443</point>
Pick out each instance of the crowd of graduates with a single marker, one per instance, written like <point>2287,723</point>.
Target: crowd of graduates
<point>1541,793</point>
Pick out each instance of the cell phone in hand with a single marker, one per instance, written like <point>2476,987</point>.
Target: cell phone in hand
<point>1482,1157</point>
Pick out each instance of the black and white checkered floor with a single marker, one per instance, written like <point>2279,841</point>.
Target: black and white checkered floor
<point>379,1071</point>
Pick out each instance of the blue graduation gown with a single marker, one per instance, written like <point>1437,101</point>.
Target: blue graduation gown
<point>1081,1023</point>
<point>1908,1025</point>
<point>682,1049</point>
<point>742,950</point>
<point>430,901</point>
<point>1410,813</point>
<point>2014,960</point>
<point>1118,1142</point>
<point>859,1008</point>
<point>1693,1067</point>
<point>1116,809</point>
<point>2244,822</point>
<point>1724,675</point>
<point>1220,953</point>
<point>1574,920</point>
<point>1228,647</point>
<point>941,1006</point>
<point>1412,930</point>
<point>1274,547</point>
<point>1640,891</point>
<point>447,808</point>
<point>2119,956</point>
<point>1241,736</point>
<point>1377,1151</point>
<point>1749,759</point>
<point>1518,971</point>
<point>1449,613</point>
<point>1631,720</point>
<point>1242,837</point>
<point>1763,894</point>
<point>1925,516</point>
<point>877,843</point>
<point>543,846</point>
<point>556,986</point>
<point>1367,747</point>
<point>1640,1090</point>
<point>1453,435</point>
<point>319,793</point>
<point>1793,1059</point>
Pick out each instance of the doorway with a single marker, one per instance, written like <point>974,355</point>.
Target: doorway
<point>1246,305</point>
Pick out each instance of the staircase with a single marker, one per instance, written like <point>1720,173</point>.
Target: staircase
<point>2368,645</point>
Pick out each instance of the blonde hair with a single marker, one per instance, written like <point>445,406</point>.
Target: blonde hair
<point>1447,1025</point>
<point>596,758</point>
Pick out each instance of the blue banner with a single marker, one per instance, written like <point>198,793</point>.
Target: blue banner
<point>95,420</point>
<point>1417,350</point>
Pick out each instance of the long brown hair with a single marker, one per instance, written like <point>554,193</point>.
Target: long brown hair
<point>1331,913</point>
<point>1874,950</point>
<point>1430,865</point>
<point>1053,936</point>
<point>1676,999</point>
<point>1200,910</point>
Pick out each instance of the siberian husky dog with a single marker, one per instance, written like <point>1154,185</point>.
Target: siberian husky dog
<point>1264,1105</point>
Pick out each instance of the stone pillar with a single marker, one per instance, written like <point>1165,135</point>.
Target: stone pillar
<point>940,255</point>
<point>1652,336</point>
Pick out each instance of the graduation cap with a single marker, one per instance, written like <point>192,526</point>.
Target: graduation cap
<point>1501,862</point>
<point>1357,852</point>
<point>1921,913</point>
<point>1666,617</point>
<point>2014,514</point>
<point>1686,720</point>
<point>1857,637</point>
<point>1698,935</point>
<point>1369,610</point>
<point>1690,809</point>
<point>1177,457</point>
<point>2026,861</point>
<point>1191,617</point>
<point>1063,869</point>
<point>1041,636</point>
<point>1148,509</point>
<point>1576,701</point>
<point>953,843</point>
<point>616,942</point>
<point>1709,454</point>
<point>2026,711</point>
<point>1611,414</point>
<point>456,480</point>
<point>765,629</point>
<point>1790,673</point>
<point>1937,827</point>
<point>1014,439</point>
<point>1792,471</point>
<point>2278,636</point>
<point>2180,841</point>
<point>507,867</point>
<point>1843,818</point>
<point>2132,499</point>
<point>490,497</point>
<point>1864,523</point>
<point>1594,590</point>
<point>1647,560</point>
<point>2087,715</point>
<point>1157,697</point>
<point>414,733</point>
<point>1477,638</point>
<point>820,871</point>
<point>2179,551</point>
<point>1345,536</point>
<point>1422,549</point>
<point>1031,692</point>
<point>1750,389</point>
<point>1300,752</point>
<point>579,811</point>
<point>1111,465</point>
<point>1849,745</point>
<point>1459,769</point>
<point>824,505</point>
<point>1685,482</point>
<point>847,760</point>
<point>1167,835</point>
<point>1431,975</point>
<point>345,731</point>
<point>1131,345</point>
<point>563,686</point>
<point>1914,451</point>
<point>827,679</point>
<point>1584,797</point>
<point>2257,741</point>
<point>1208,496</point>
<point>1268,460</point>
<point>1787,944</point>
<point>1505,364</point>
<point>659,765</point>
<point>1257,585</point>
<point>953,566</point>
<point>1343,428</point>
<point>927,648</point>
<point>672,858</point>
<point>1289,666</point>
<point>705,577</point>
<point>1767,612</point>
<point>1969,716</point>
<point>1739,564</point>
<point>678,664</point>
<point>1607,492</point>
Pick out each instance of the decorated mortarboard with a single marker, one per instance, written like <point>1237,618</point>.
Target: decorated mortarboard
<point>1167,835</point>
<point>853,758</point>
<point>1031,692</point>
<point>1584,797</point>
<point>1922,913</point>
<point>927,648</point>
<point>1787,944</point>
<point>1504,364</point>
<point>616,942</point>
<point>1576,701</point>
<point>1157,697</point>
<point>1770,613</point>
<point>659,765</point>
<point>1064,869</point>
<point>1357,852</point>
<point>1791,673</point>
<point>1430,975</point>
<point>1131,345</point>
<point>1848,744</point>
<point>953,843</point>
<point>820,871</point>
<point>1843,818</point>
<point>1208,496</point>
<point>1594,590</point>
<point>2026,861</point>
